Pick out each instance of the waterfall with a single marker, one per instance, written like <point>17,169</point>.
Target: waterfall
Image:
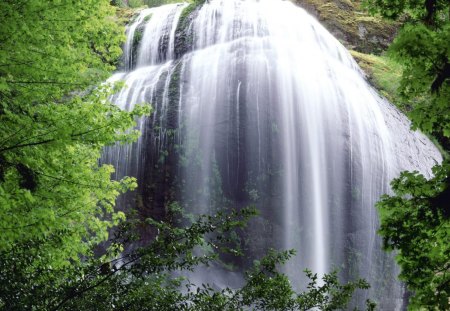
<point>255,103</point>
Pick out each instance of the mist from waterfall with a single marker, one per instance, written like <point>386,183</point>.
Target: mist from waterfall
<point>255,103</point>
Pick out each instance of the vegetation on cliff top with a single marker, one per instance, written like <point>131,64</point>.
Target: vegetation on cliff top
<point>384,73</point>
<point>352,25</point>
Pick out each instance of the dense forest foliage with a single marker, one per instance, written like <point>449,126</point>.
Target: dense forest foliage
<point>57,203</point>
<point>415,221</point>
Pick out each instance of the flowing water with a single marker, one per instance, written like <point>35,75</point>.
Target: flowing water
<point>255,103</point>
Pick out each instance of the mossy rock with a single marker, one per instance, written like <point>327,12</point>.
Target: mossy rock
<point>383,73</point>
<point>183,33</point>
<point>351,25</point>
<point>125,16</point>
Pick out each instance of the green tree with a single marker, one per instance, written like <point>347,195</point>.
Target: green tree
<point>421,46</point>
<point>55,200</point>
<point>142,279</point>
<point>415,221</point>
<point>412,224</point>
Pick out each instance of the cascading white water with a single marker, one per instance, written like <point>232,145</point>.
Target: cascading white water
<point>256,103</point>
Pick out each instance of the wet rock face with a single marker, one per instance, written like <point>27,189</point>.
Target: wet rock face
<point>183,34</point>
<point>351,25</point>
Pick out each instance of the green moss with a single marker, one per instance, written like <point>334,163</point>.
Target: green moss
<point>193,5</point>
<point>147,18</point>
<point>182,22</point>
<point>368,19</point>
<point>135,3</point>
<point>387,75</point>
<point>125,15</point>
<point>184,37</point>
<point>118,3</point>
<point>384,73</point>
<point>137,37</point>
<point>174,85</point>
<point>351,25</point>
<point>155,3</point>
<point>331,12</point>
<point>174,98</point>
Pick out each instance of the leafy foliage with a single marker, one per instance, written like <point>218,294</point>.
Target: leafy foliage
<point>50,48</point>
<point>412,224</point>
<point>55,200</point>
<point>429,11</point>
<point>416,220</point>
<point>422,48</point>
<point>425,54</point>
<point>143,279</point>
